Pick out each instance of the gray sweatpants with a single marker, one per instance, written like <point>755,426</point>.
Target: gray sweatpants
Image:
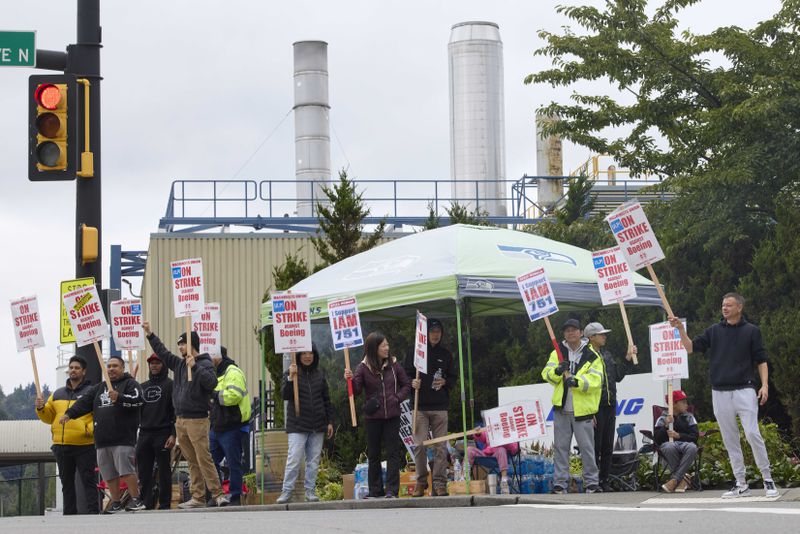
<point>680,456</point>
<point>564,426</point>
<point>744,403</point>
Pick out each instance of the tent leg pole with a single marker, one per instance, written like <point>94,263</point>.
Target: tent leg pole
<point>467,318</point>
<point>263,413</point>
<point>463,394</point>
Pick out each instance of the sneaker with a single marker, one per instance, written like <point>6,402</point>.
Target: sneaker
<point>222,500</point>
<point>558,490</point>
<point>770,490</point>
<point>504,490</point>
<point>440,491</point>
<point>682,486</point>
<point>593,488</point>
<point>419,490</point>
<point>134,505</point>
<point>390,495</point>
<point>737,491</point>
<point>114,508</point>
<point>192,503</point>
<point>670,485</point>
<point>284,498</point>
<point>606,487</point>
<point>311,497</point>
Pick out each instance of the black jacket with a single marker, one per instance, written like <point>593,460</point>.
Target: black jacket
<point>733,351</point>
<point>316,412</point>
<point>191,399</point>
<point>685,425</point>
<point>439,358</point>
<point>157,415</point>
<point>612,373</point>
<point>114,423</point>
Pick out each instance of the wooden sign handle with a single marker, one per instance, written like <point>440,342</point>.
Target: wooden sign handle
<point>350,388</point>
<point>295,385</point>
<point>35,374</point>
<point>188,345</point>
<point>102,365</point>
<point>416,405</point>
<point>671,406</point>
<point>627,330</point>
<point>457,435</point>
<point>660,290</point>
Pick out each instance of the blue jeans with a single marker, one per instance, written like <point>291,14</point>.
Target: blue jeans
<point>308,445</point>
<point>228,445</point>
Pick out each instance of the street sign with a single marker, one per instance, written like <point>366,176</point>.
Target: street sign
<point>17,49</point>
<point>66,335</point>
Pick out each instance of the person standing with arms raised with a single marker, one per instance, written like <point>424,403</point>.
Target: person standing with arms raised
<point>734,346</point>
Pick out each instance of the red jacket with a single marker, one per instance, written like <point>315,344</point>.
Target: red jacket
<point>390,386</point>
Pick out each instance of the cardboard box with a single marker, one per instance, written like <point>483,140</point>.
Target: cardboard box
<point>348,486</point>
<point>476,487</point>
<point>408,480</point>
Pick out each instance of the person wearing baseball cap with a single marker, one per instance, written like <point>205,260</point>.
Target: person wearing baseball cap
<point>576,385</point>
<point>682,451</point>
<point>606,418</point>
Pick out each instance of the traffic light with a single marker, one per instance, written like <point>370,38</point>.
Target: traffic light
<point>89,244</point>
<point>52,128</point>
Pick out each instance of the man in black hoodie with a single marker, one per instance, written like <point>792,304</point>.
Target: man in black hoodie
<point>116,418</point>
<point>434,387</point>
<point>192,403</point>
<point>156,435</point>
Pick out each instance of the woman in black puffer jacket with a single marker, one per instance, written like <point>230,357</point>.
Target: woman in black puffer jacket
<point>307,430</point>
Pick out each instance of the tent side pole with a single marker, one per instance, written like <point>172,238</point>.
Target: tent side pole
<point>467,320</point>
<point>463,394</point>
<point>263,410</point>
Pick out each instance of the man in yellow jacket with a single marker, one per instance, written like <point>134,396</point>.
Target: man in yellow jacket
<point>73,442</point>
<point>576,385</point>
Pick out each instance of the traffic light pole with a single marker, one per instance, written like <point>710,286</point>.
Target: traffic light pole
<point>83,59</point>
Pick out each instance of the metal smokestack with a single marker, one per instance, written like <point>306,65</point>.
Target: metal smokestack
<point>312,138</point>
<point>477,116</point>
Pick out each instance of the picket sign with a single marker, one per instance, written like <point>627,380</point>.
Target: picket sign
<point>514,422</point>
<point>540,302</point>
<point>126,329</point>
<point>88,321</point>
<point>291,329</point>
<point>188,296</point>
<point>669,357</point>
<point>420,360</point>
<point>28,331</point>
<point>208,325</point>
<point>615,282</point>
<point>346,332</point>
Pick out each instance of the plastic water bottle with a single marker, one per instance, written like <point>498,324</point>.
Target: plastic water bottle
<point>437,375</point>
<point>458,472</point>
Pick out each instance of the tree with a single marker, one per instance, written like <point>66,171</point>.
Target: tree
<point>340,232</point>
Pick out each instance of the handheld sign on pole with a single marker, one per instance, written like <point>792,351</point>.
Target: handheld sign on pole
<point>126,328</point>
<point>188,296</point>
<point>88,321</point>
<point>669,357</point>
<point>615,282</point>
<point>291,328</point>
<point>514,422</point>
<point>638,242</point>
<point>420,360</point>
<point>207,324</point>
<point>346,332</point>
<point>28,331</point>
<point>540,302</point>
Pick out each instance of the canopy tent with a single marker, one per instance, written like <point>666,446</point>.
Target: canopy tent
<point>455,270</point>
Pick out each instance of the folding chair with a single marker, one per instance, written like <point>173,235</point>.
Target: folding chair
<point>660,465</point>
<point>491,466</point>
<point>624,460</point>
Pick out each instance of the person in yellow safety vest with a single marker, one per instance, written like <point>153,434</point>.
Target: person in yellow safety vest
<point>73,442</point>
<point>230,417</point>
<point>576,385</point>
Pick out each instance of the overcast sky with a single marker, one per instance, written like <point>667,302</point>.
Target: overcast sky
<point>192,88</point>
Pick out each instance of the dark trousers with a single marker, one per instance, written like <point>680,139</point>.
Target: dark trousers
<point>228,445</point>
<point>386,432</point>
<point>83,459</point>
<point>150,450</point>
<point>604,439</point>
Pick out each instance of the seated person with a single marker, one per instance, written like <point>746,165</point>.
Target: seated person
<point>679,454</point>
<point>482,450</point>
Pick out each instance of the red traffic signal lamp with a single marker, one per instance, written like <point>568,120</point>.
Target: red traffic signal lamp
<point>52,127</point>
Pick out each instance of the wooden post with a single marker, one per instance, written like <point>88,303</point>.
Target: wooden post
<point>102,365</point>
<point>35,374</point>
<point>456,435</point>
<point>416,404</point>
<point>627,330</point>
<point>350,388</point>
<point>130,363</point>
<point>660,290</point>
<point>188,345</point>
<point>295,386</point>
<point>671,405</point>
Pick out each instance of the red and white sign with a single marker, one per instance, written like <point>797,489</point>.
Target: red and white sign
<point>126,324</point>
<point>27,324</point>
<point>537,294</point>
<point>187,287</point>
<point>634,235</point>
<point>86,315</point>
<point>421,344</point>
<point>291,322</point>
<point>614,278</point>
<point>207,325</point>
<point>345,324</point>
<point>669,357</point>
<point>514,422</point>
